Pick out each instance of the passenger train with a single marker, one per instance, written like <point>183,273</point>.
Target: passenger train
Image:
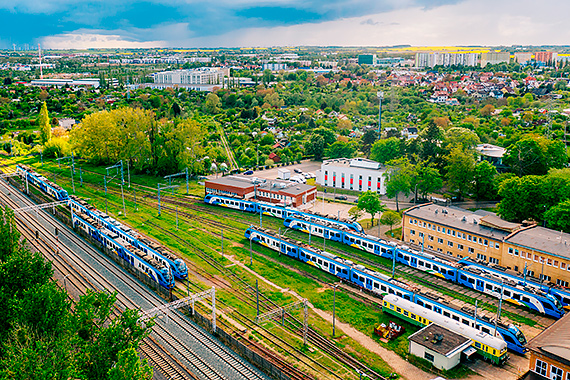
<point>559,292</point>
<point>42,182</point>
<point>275,210</point>
<point>139,260</point>
<point>158,252</point>
<point>474,278</point>
<point>380,284</point>
<point>491,348</point>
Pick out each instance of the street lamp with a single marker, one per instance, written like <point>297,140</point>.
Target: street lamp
<point>380,95</point>
<point>65,281</point>
<point>334,307</point>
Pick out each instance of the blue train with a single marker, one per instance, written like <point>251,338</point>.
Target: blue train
<point>158,252</point>
<point>42,182</point>
<point>474,278</point>
<point>139,260</point>
<point>561,293</point>
<point>380,284</point>
<point>276,210</point>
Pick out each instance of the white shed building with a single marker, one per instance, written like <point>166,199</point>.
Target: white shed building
<point>439,346</point>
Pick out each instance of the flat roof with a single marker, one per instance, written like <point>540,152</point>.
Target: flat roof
<point>439,339</point>
<point>361,163</point>
<point>275,186</point>
<point>543,239</point>
<point>457,218</point>
<point>554,342</point>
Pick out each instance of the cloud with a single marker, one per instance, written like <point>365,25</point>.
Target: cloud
<point>91,40</point>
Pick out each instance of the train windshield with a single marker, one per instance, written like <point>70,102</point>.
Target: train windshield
<point>520,337</point>
<point>555,301</point>
<point>180,265</point>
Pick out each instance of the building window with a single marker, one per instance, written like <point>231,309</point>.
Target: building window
<point>496,245</point>
<point>440,240</point>
<point>493,260</point>
<point>460,247</point>
<point>556,373</point>
<point>470,250</point>
<point>450,243</point>
<point>541,367</point>
<point>429,356</point>
<point>412,232</point>
<point>563,266</point>
<point>481,257</point>
<point>561,282</point>
<point>544,277</point>
<point>510,251</point>
<point>430,238</point>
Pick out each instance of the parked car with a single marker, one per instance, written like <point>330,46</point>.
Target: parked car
<point>249,172</point>
<point>297,170</point>
<point>307,175</point>
<point>341,197</point>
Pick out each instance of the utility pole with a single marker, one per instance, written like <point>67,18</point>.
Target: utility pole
<point>334,307</point>
<point>250,252</point>
<point>123,196</point>
<point>257,295</point>
<point>222,243</point>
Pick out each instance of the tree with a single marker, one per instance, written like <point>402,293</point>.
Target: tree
<point>129,367</point>
<point>389,218</point>
<point>369,201</point>
<point>483,185</point>
<point>340,149</point>
<point>212,104</point>
<point>399,176</point>
<point>534,155</point>
<point>45,127</point>
<point>460,166</point>
<point>385,150</point>
<point>427,179</point>
<point>355,212</point>
<point>430,140</point>
<point>461,136</point>
<point>368,138</point>
<point>487,110</point>
<point>558,217</point>
<point>175,109</point>
<point>315,146</point>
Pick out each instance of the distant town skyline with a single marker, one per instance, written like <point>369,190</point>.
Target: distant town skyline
<point>66,24</point>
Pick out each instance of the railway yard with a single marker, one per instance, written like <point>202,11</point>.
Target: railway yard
<point>250,281</point>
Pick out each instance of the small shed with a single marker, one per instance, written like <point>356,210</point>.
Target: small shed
<point>439,346</point>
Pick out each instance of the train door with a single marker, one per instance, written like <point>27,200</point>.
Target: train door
<point>368,283</point>
<point>414,262</point>
<point>332,268</point>
<point>326,233</point>
<point>480,285</point>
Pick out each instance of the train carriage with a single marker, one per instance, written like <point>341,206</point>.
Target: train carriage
<point>381,284</point>
<point>491,348</point>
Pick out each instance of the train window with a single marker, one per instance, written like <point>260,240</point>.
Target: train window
<point>516,296</point>
<point>485,330</point>
<point>383,288</point>
<point>428,265</point>
<point>455,317</point>
<point>465,322</point>
<point>446,314</point>
<point>361,279</point>
<point>547,305</point>
<point>376,285</point>
<point>398,310</point>
<point>507,293</point>
<point>421,263</point>
<point>489,287</point>
<point>420,302</point>
<point>406,313</point>
<point>427,306</point>
<point>391,306</point>
<point>391,291</point>
<point>354,275</point>
<point>463,277</point>
<point>477,345</point>
<point>471,281</point>
<point>436,268</point>
<point>385,303</point>
<point>413,316</point>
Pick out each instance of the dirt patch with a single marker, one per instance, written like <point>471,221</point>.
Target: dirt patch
<point>322,290</point>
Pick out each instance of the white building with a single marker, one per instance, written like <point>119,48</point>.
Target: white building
<point>359,174</point>
<point>439,346</point>
<point>275,66</point>
<point>446,59</point>
<point>203,75</point>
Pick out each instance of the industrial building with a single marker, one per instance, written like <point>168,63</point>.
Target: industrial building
<point>482,235</point>
<point>495,57</point>
<point>203,75</point>
<point>358,174</point>
<point>273,191</point>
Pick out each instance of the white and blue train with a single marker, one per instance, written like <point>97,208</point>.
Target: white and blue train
<point>380,284</point>
<point>139,260</point>
<point>42,182</point>
<point>161,254</point>
<point>474,278</point>
<point>276,210</point>
<point>559,292</point>
<point>158,252</point>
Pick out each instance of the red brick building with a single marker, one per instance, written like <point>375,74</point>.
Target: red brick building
<point>550,353</point>
<point>272,191</point>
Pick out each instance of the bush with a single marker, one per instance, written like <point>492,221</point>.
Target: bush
<point>57,147</point>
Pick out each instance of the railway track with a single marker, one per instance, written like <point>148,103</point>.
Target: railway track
<point>214,350</point>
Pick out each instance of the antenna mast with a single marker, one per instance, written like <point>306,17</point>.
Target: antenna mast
<point>40,54</point>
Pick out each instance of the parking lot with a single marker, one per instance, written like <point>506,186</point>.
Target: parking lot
<point>304,166</point>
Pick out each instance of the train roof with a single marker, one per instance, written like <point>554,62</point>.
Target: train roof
<point>448,323</point>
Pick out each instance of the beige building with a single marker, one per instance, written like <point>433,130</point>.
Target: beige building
<point>482,235</point>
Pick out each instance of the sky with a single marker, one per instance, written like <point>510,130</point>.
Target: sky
<point>70,24</point>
